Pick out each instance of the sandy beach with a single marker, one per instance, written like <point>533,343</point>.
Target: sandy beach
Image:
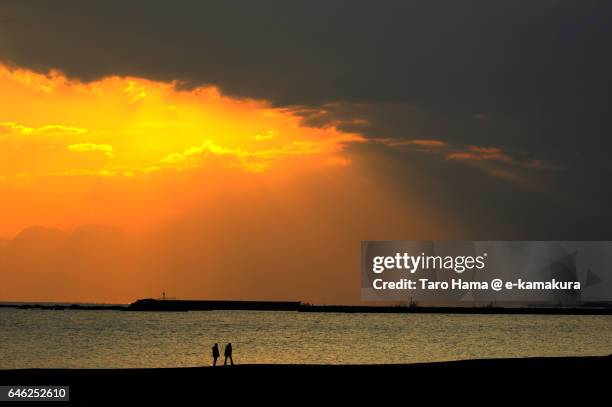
<point>509,376</point>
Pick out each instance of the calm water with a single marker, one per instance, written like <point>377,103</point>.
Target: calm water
<point>104,339</point>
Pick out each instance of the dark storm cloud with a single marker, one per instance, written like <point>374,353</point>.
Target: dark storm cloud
<point>540,205</point>
<point>538,70</point>
<point>524,76</point>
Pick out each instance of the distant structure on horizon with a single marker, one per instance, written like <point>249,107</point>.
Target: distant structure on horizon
<point>164,298</point>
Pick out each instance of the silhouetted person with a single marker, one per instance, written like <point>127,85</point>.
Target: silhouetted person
<point>215,354</point>
<point>228,353</point>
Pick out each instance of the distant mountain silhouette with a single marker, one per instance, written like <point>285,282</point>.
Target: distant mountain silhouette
<point>49,263</point>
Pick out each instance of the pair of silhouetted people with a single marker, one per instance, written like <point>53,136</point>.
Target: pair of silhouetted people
<point>227,353</point>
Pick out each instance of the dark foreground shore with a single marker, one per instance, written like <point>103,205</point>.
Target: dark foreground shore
<point>508,378</point>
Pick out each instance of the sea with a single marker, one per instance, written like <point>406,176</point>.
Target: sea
<point>38,338</point>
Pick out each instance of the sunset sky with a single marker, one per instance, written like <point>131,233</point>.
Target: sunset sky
<point>242,150</point>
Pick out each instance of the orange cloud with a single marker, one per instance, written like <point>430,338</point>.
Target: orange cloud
<point>107,149</point>
<point>145,126</point>
<point>16,128</point>
<point>425,144</point>
<point>475,153</point>
<point>494,161</point>
<point>496,154</point>
<point>132,152</point>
